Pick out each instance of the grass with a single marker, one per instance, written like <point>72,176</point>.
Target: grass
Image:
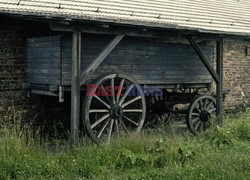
<point>223,153</point>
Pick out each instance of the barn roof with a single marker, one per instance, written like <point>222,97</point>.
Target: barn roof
<point>210,16</point>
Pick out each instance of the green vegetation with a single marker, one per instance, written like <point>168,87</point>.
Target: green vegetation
<point>223,153</point>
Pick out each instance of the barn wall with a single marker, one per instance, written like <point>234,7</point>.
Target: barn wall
<point>236,74</point>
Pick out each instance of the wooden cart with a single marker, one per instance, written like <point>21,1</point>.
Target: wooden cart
<point>140,78</point>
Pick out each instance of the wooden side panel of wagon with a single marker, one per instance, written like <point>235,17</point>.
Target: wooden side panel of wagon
<point>44,60</point>
<point>148,62</point>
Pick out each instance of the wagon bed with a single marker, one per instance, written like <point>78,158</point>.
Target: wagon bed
<point>148,61</point>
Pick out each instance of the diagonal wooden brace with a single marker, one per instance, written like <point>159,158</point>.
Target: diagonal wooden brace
<point>100,58</point>
<point>204,59</point>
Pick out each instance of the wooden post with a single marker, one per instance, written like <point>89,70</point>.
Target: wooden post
<point>219,85</point>
<point>75,87</point>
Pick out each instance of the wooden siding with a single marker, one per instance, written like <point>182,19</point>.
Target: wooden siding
<point>149,62</point>
<point>44,60</point>
<point>146,61</point>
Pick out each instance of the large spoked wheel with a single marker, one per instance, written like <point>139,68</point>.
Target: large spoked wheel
<point>200,112</point>
<point>115,107</point>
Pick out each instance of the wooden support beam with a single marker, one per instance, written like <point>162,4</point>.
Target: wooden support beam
<point>219,85</point>
<point>204,59</point>
<point>115,30</point>
<point>100,58</point>
<point>75,87</point>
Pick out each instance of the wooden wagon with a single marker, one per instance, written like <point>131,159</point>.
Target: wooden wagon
<point>127,79</point>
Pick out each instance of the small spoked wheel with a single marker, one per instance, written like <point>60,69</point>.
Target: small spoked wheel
<point>114,106</point>
<point>157,116</point>
<point>200,112</point>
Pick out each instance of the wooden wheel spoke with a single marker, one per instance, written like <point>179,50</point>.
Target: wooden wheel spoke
<point>133,110</point>
<point>131,101</point>
<point>117,128</point>
<point>197,125</point>
<point>209,105</point>
<point>106,95</point>
<point>130,120</point>
<point>203,128</point>
<point>119,91</point>
<point>195,119</point>
<point>99,120</point>
<point>103,128</point>
<point>110,129</point>
<point>113,90</point>
<point>212,110</point>
<point>104,103</point>
<point>124,126</point>
<point>197,109</point>
<point>200,105</point>
<point>195,114</point>
<point>126,93</point>
<point>205,104</point>
<point>98,110</point>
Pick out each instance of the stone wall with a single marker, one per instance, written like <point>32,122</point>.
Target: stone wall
<point>236,74</point>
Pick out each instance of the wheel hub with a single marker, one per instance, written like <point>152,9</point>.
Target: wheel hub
<point>204,116</point>
<point>116,111</point>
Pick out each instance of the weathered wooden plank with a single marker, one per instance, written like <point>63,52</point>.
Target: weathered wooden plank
<point>43,44</point>
<point>44,50</point>
<point>174,48</point>
<point>92,67</point>
<point>48,93</point>
<point>35,77</point>
<point>43,60</point>
<point>44,39</point>
<point>149,73</point>
<point>43,54</point>
<point>44,65</point>
<point>166,67</point>
<point>166,58</point>
<point>43,81</point>
<point>155,81</point>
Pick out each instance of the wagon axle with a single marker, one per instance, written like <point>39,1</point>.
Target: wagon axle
<point>116,111</point>
<point>204,116</point>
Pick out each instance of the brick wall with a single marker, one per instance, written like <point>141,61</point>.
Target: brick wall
<point>13,34</point>
<point>236,74</point>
